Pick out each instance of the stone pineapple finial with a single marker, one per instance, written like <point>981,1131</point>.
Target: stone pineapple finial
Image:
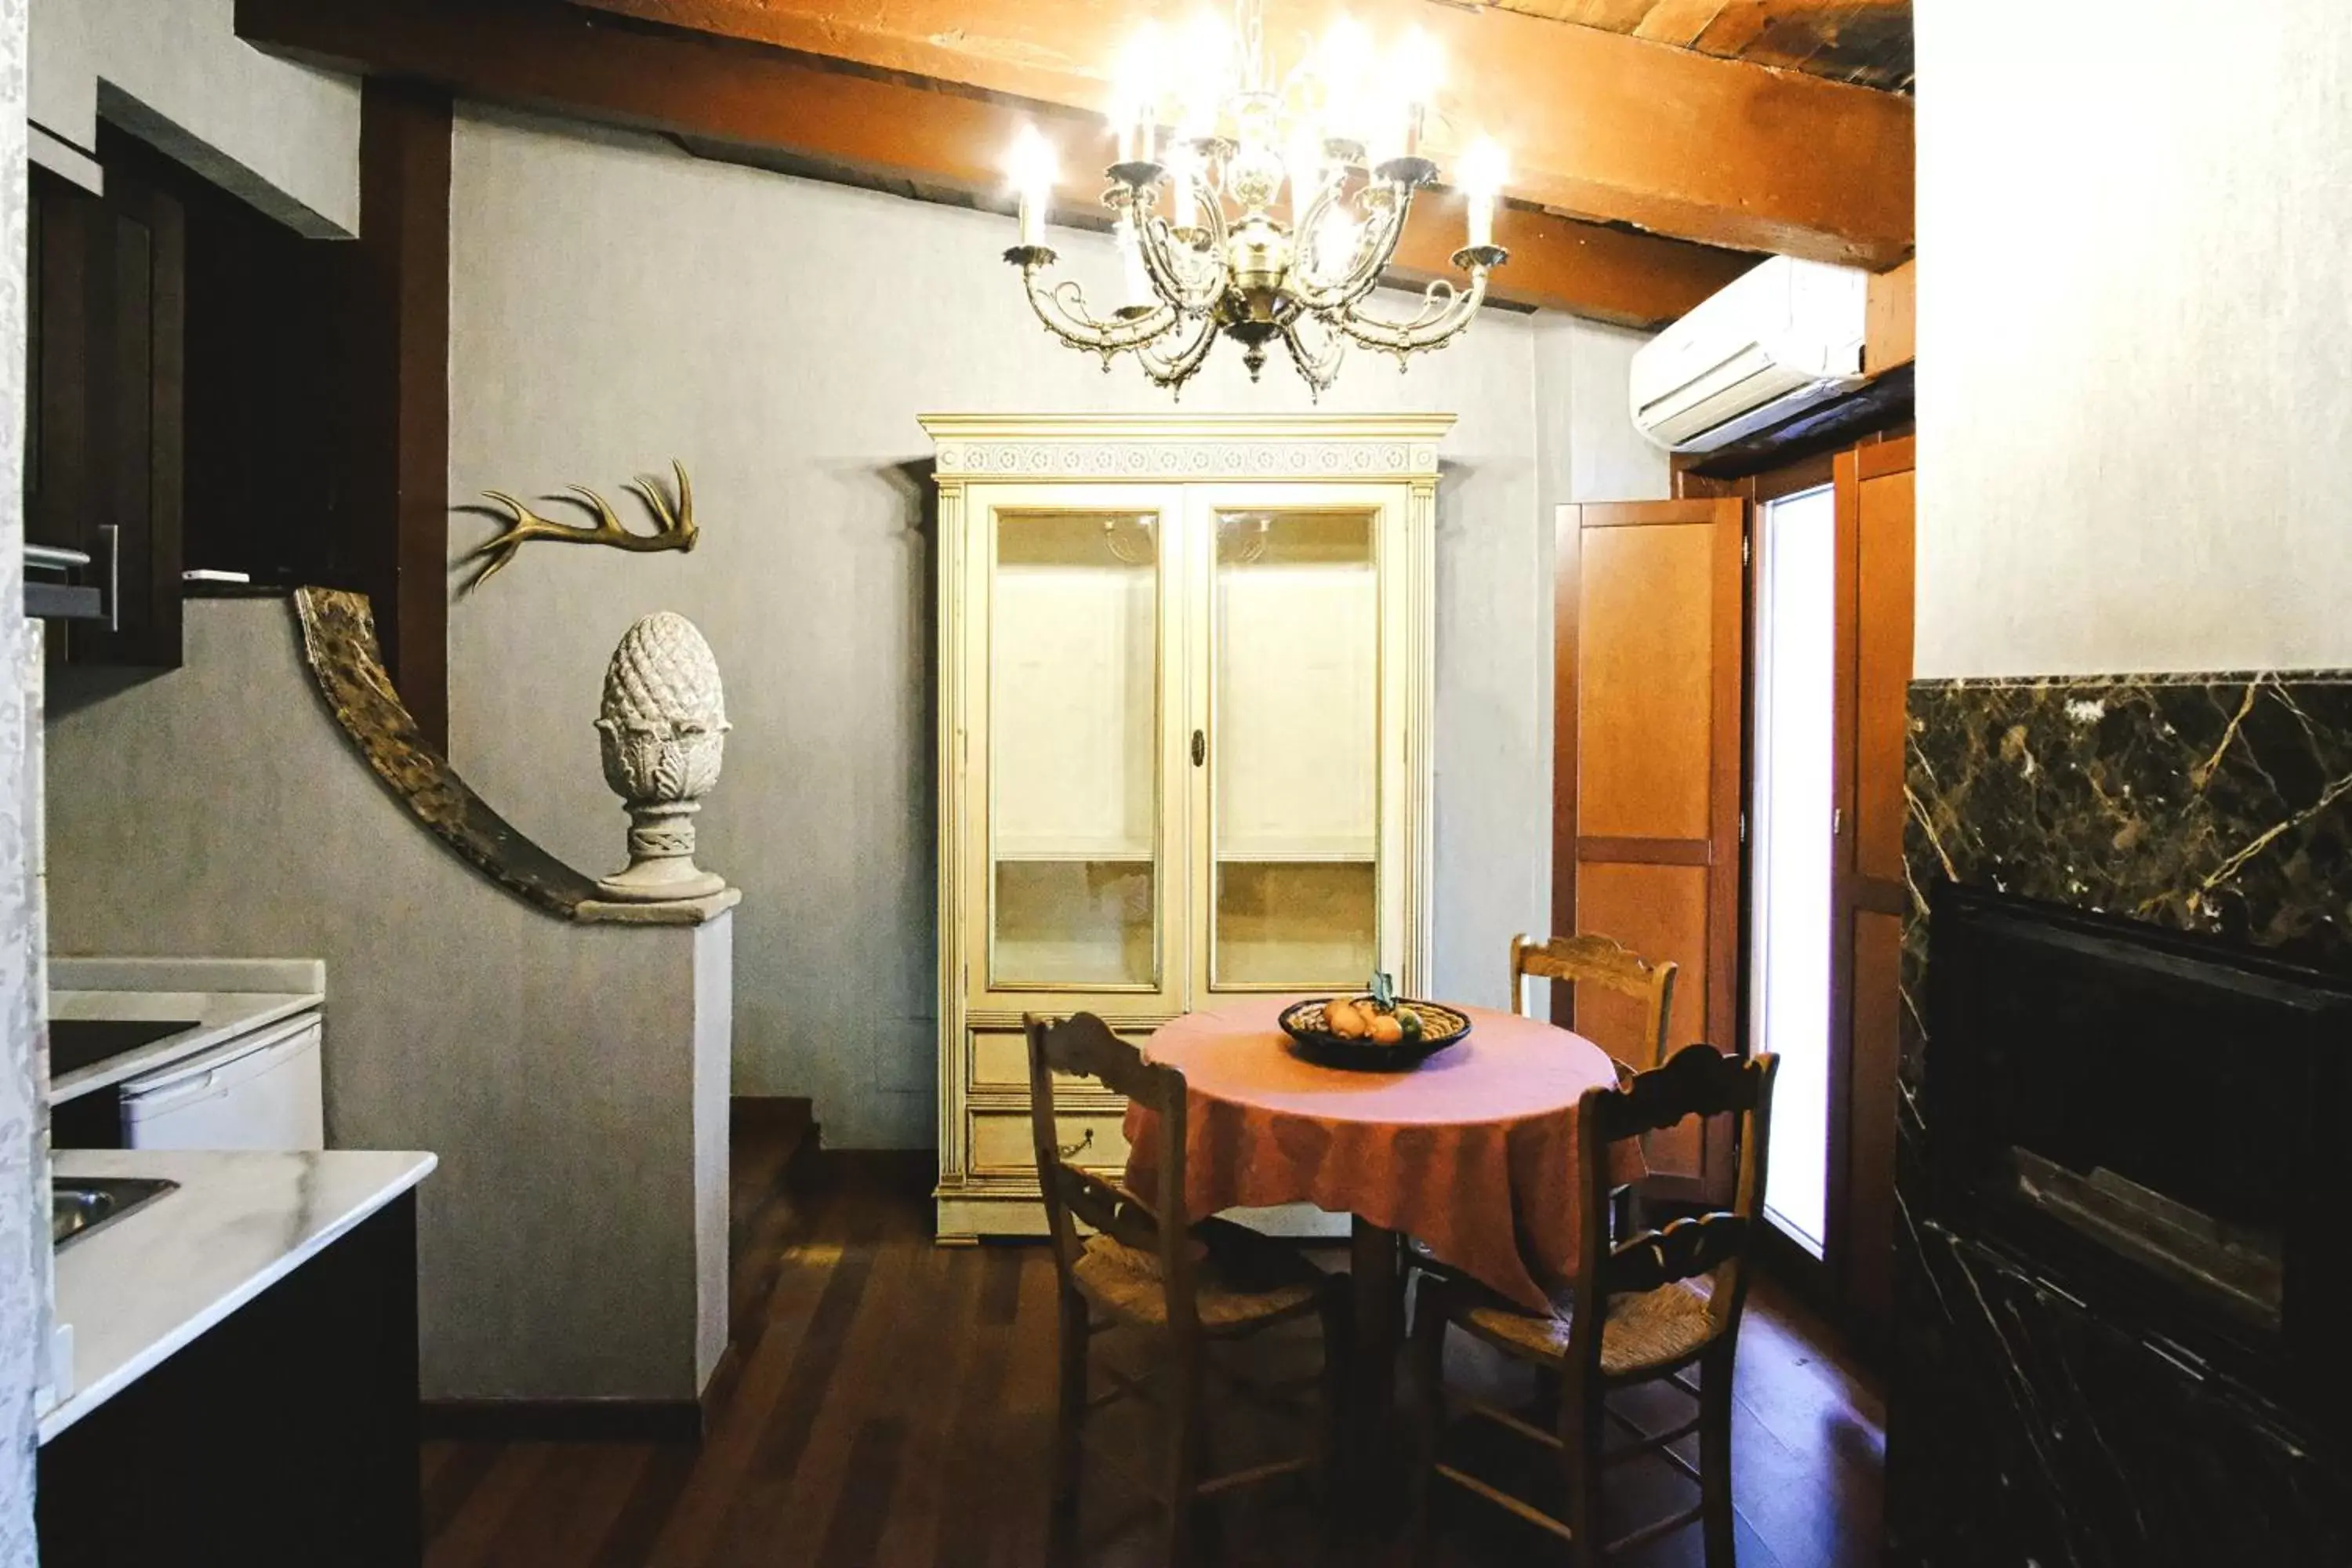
<point>663,728</point>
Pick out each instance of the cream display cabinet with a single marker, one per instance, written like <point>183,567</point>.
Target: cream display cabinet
<point>1184,721</point>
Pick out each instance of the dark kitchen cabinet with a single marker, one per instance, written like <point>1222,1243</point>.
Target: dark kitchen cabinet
<point>283,1436</point>
<point>192,402</point>
<point>105,425</point>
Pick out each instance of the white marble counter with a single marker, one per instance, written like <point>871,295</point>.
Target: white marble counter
<point>224,997</point>
<point>152,1281</point>
<point>220,1016</point>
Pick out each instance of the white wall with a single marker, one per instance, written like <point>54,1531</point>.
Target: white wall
<point>615,303</point>
<point>285,137</point>
<point>2135,325</point>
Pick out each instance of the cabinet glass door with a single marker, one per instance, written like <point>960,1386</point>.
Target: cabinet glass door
<point>1075,627</point>
<point>1296,748</point>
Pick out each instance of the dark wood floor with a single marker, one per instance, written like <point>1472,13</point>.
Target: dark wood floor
<point>895,1406</point>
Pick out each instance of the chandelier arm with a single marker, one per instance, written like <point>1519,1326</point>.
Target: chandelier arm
<point>1318,370</point>
<point>1191,288</point>
<point>1444,312</point>
<point>1212,208</point>
<point>1373,253</point>
<point>1063,307</point>
<point>1176,368</point>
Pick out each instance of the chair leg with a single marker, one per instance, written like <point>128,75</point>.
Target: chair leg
<point>1184,1452</point>
<point>1429,1325</point>
<point>1581,1413</point>
<point>1070,1406</point>
<point>1714,1457</point>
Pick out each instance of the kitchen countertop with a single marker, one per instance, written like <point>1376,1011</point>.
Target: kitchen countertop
<point>220,1016</point>
<point>152,1281</point>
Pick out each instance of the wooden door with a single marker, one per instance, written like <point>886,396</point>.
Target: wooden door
<point>1649,644</point>
<point>1869,899</point>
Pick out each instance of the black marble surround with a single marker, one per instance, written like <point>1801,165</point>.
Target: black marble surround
<point>2023,1427</point>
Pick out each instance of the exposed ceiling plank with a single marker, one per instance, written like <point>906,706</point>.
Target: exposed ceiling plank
<point>1599,124</point>
<point>1680,22</point>
<point>554,57</point>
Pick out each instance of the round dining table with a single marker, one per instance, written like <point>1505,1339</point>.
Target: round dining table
<point>1473,1153</point>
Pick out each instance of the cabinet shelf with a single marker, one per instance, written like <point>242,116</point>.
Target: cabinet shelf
<point>1025,852</point>
<point>1301,852</point>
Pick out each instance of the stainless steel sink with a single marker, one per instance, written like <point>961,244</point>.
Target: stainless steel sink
<point>79,1204</point>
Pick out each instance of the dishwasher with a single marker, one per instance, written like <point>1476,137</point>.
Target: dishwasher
<point>259,1090</point>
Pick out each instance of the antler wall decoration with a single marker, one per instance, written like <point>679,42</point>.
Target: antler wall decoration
<point>674,526</point>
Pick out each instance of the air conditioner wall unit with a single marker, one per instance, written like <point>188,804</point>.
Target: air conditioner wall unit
<point>1771,345</point>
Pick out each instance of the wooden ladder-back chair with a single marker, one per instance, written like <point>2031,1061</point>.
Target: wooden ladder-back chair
<point>1146,1266</point>
<point>1651,1309</point>
<point>1601,962</point>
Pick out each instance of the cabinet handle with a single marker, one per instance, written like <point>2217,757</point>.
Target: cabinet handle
<point>112,534</point>
<point>1066,1150</point>
<point>1199,747</point>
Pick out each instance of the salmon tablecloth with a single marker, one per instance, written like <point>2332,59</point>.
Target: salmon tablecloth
<point>1473,1151</point>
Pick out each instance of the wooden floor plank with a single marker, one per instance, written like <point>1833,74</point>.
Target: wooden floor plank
<point>452,1479</point>
<point>894,1408</point>
<point>689,1536</point>
<point>473,1533</point>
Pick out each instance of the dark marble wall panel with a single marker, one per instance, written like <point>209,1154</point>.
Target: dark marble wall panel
<point>2020,1430</point>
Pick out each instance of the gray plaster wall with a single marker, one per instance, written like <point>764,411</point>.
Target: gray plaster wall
<point>286,137</point>
<point>615,303</point>
<point>572,1079</point>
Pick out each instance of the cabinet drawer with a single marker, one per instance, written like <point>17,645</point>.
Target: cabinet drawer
<point>1001,1142</point>
<point>999,1058</point>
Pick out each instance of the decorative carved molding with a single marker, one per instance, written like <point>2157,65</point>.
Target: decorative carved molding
<point>1403,446</point>
<point>1186,460</point>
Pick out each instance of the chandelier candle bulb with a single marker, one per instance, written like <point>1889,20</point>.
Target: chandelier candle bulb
<point>1184,207</point>
<point>1139,294</point>
<point>1482,182</point>
<point>1030,166</point>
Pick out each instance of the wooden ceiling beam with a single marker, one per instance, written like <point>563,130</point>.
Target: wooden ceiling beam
<point>535,54</point>
<point>1600,125</point>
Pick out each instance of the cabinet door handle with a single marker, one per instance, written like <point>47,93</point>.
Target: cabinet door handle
<point>1066,1150</point>
<point>1199,747</point>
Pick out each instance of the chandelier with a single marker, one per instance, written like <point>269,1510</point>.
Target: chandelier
<point>1272,209</point>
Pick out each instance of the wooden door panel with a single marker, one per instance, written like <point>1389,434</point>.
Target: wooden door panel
<point>1883,671</point>
<point>1649,646</point>
<point>1644,659</point>
<point>1870,898</point>
<point>1877,1008</point>
<point>1661,912</point>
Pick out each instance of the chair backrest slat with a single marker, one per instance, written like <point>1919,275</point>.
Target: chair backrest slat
<point>1104,1206</point>
<point>1597,961</point>
<point>1156,1224</point>
<point>1699,1081</point>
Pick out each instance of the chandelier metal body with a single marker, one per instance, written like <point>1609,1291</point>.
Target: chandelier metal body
<point>1269,215</point>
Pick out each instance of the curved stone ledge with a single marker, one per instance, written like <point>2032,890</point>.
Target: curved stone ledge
<point>338,646</point>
